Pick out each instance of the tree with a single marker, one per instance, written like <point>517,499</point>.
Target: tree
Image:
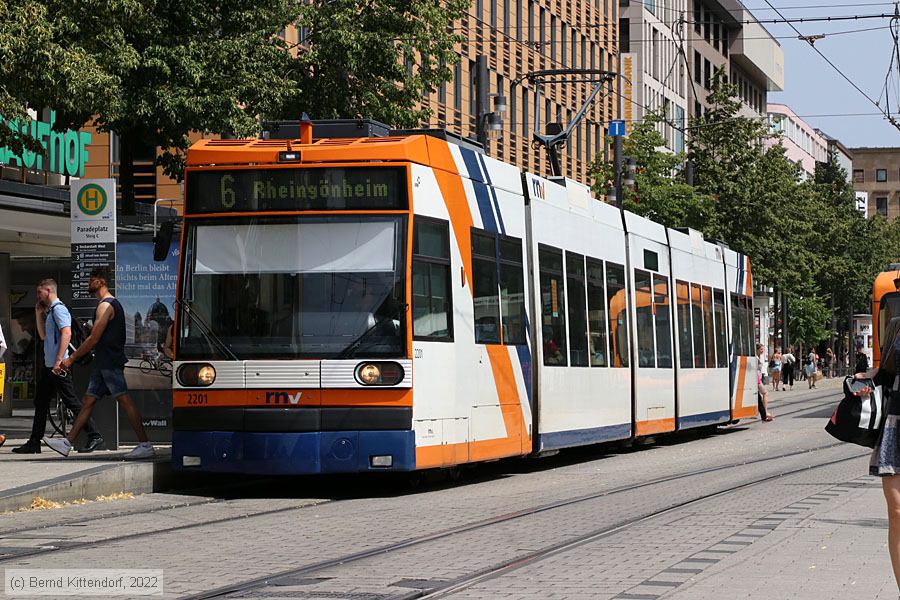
<point>375,60</point>
<point>41,65</point>
<point>161,70</point>
<point>659,193</point>
<point>808,318</point>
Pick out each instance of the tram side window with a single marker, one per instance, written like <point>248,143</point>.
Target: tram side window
<point>708,331</point>
<point>721,337</point>
<point>685,348</point>
<point>751,326</point>
<point>617,307</point>
<point>512,290</point>
<point>596,313</point>
<point>432,301</point>
<point>553,306</point>
<point>663,322</point>
<point>643,303</point>
<point>697,326</point>
<point>575,293</point>
<point>737,325</point>
<point>484,288</point>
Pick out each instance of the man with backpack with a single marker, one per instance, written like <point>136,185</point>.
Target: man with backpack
<point>54,326</point>
<point>107,340</point>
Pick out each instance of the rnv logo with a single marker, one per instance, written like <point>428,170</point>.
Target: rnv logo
<point>282,398</point>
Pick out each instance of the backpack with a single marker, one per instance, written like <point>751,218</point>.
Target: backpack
<point>80,332</point>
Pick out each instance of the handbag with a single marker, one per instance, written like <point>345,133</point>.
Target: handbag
<point>858,419</point>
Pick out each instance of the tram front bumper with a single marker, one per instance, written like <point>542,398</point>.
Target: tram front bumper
<point>293,453</point>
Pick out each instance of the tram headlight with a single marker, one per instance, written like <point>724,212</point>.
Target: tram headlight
<point>196,375</point>
<point>206,375</point>
<point>369,374</point>
<point>379,373</point>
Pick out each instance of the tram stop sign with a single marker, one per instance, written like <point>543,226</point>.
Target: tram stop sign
<point>617,128</point>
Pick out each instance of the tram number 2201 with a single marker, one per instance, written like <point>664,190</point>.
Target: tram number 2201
<point>197,399</point>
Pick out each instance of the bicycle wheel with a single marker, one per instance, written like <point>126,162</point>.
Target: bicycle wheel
<point>146,366</point>
<point>165,368</point>
<point>59,418</point>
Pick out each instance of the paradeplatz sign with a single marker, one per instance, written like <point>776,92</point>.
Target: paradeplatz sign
<point>65,152</point>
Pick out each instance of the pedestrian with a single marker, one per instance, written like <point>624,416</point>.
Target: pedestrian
<point>787,368</point>
<point>54,326</point>
<point>762,364</point>
<point>885,462</point>
<point>3,348</point>
<point>862,360</point>
<point>776,369</point>
<point>829,362</point>
<point>811,368</point>
<point>107,339</point>
<point>762,393</point>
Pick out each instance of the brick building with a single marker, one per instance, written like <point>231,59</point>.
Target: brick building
<point>876,171</point>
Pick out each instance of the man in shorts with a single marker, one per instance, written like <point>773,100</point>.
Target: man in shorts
<point>107,339</point>
<point>53,322</point>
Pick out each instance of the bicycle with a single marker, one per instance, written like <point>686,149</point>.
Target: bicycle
<point>162,364</point>
<point>61,417</point>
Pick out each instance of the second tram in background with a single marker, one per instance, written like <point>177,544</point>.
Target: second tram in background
<point>406,302</point>
<point>885,305</point>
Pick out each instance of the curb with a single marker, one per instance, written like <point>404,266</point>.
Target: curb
<point>135,477</point>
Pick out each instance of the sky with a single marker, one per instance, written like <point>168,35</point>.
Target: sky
<point>812,87</point>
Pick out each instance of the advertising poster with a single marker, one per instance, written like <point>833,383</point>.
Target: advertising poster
<point>146,289</point>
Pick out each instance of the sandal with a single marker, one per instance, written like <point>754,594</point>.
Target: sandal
<point>768,418</point>
<point>2,439</point>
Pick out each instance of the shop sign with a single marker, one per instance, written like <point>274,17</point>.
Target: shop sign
<point>65,152</point>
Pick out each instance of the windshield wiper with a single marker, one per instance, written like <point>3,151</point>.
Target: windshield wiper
<point>351,349</point>
<point>207,331</point>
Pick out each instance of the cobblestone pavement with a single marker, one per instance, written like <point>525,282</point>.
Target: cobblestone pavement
<point>778,539</point>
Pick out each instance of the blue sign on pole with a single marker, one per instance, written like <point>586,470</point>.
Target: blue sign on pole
<point>617,128</point>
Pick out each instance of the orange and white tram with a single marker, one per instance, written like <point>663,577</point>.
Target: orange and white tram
<point>406,302</point>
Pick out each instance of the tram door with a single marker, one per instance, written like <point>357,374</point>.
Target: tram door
<point>652,347</point>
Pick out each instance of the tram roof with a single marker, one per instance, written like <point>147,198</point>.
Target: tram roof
<point>407,148</point>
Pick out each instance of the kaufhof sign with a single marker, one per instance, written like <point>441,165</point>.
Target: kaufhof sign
<point>65,152</point>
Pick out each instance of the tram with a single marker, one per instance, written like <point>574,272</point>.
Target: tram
<point>885,305</point>
<point>406,302</point>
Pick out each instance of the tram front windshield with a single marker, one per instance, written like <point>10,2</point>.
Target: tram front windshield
<point>889,307</point>
<point>300,287</point>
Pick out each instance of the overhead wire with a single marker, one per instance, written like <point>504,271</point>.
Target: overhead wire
<point>833,66</point>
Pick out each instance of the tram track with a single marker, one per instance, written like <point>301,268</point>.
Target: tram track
<point>519,562</point>
<point>207,502</point>
<point>50,548</point>
<point>545,552</point>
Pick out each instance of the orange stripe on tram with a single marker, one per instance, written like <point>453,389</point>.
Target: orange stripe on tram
<point>454,194</point>
<point>654,426</point>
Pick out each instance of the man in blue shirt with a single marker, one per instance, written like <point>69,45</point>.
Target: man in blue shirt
<point>107,340</point>
<point>54,326</point>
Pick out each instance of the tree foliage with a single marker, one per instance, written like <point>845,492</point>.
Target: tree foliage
<point>375,59</point>
<point>660,192</point>
<point>157,72</point>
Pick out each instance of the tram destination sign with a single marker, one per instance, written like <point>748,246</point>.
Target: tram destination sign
<point>285,189</point>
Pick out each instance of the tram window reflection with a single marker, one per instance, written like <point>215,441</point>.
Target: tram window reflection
<point>596,295</point>
<point>617,303</point>
<point>685,347</point>
<point>663,322</point>
<point>575,293</point>
<point>553,306</point>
